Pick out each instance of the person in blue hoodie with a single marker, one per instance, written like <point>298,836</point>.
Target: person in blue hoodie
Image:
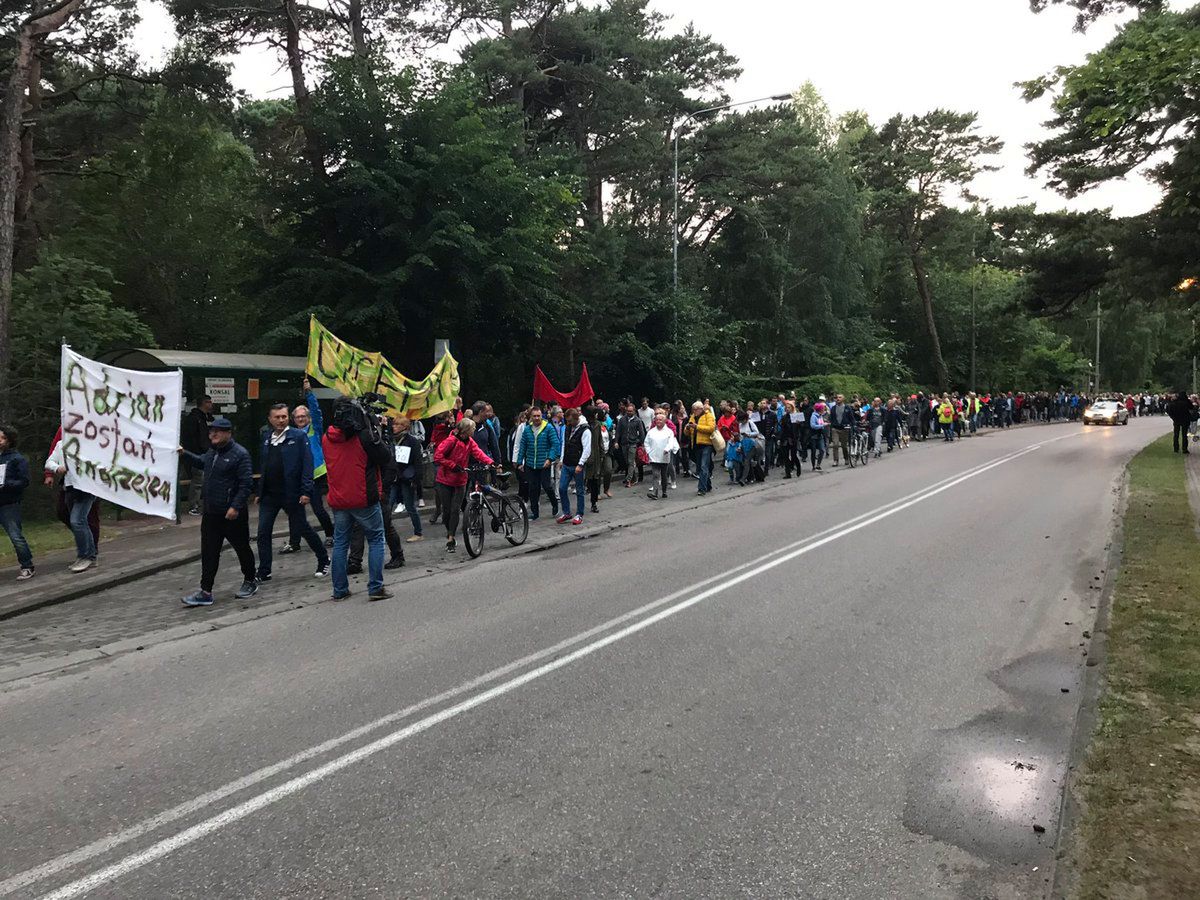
<point>536,453</point>
<point>286,485</point>
<point>14,478</point>
<point>308,419</point>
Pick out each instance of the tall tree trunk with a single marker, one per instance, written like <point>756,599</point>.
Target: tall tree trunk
<point>25,252</point>
<point>11,112</point>
<point>313,145</point>
<point>922,279</point>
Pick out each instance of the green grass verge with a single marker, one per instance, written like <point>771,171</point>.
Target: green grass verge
<point>1138,833</point>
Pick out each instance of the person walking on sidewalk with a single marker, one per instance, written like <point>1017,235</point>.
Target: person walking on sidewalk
<point>453,456</point>
<point>1180,411</point>
<point>309,420</point>
<point>228,481</point>
<point>14,478</point>
<point>355,453</point>
<point>699,431</point>
<point>193,434</point>
<point>538,449</point>
<point>80,506</point>
<point>408,452</point>
<point>389,470</point>
<point>286,485</point>
<point>660,445</point>
<point>631,438</point>
<point>576,451</point>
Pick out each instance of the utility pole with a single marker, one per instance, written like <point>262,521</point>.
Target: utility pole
<point>974,269</point>
<point>1096,391</point>
<point>1195,390</point>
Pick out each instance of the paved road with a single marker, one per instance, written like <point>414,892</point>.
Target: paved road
<point>820,690</point>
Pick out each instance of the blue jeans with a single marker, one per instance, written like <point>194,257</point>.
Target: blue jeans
<point>10,521</point>
<point>564,490</point>
<point>370,518</point>
<point>704,456</point>
<point>818,447</point>
<point>268,508</point>
<point>81,504</point>
<point>948,431</point>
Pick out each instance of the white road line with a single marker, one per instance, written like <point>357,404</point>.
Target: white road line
<point>725,580</point>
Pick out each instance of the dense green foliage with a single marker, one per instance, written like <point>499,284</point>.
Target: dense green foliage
<point>520,202</point>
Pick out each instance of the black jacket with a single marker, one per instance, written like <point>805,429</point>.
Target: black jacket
<point>1180,410</point>
<point>193,433</point>
<point>840,415</point>
<point>16,477</point>
<point>228,476</point>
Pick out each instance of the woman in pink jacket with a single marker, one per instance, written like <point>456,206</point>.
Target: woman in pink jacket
<point>452,457</point>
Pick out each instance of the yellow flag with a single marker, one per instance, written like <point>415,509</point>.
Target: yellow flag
<point>345,368</point>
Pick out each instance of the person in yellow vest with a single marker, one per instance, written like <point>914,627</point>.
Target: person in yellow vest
<point>946,418</point>
<point>698,432</point>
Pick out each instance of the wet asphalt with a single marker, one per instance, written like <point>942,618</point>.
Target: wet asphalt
<point>886,710</point>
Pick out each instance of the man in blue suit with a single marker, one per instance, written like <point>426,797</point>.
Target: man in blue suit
<point>286,484</point>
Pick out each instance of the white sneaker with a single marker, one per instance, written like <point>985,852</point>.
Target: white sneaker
<point>25,575</point>
<point>399,508</point>
<point>81,565</point>
<point>420,504</point>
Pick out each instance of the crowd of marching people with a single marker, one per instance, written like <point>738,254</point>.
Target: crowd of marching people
<point>362,470</point>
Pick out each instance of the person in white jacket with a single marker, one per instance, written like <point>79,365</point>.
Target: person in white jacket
<point>659,444</point>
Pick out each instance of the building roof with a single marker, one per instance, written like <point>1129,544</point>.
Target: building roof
<point>145,358</point>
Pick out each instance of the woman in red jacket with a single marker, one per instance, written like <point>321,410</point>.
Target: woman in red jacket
<point>452,457</point>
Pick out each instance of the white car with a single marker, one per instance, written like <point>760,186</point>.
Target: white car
<point>1106,412</point>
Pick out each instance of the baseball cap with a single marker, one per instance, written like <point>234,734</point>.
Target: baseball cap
<point>221,424</point>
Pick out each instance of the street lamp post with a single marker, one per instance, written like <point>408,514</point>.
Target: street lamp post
<point>675,180</point>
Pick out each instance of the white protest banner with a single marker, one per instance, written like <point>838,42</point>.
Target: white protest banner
<point>121,432</point>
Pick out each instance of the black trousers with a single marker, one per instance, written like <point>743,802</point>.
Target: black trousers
<point>215,530</point>
<point>538,481</point>
<point>1178,433</point>
<point>452,500</point>
<point>358,540</point>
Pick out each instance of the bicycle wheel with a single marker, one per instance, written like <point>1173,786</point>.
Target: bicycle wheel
<point>853,450</point>
<point>516,520</point>
<point>473,527</point>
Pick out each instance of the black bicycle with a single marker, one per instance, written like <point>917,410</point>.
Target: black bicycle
<point>487,506</point>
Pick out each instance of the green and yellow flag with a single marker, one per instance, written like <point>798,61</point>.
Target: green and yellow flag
<point>345,368</point>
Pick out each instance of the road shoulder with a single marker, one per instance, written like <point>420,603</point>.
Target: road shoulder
<point>1133,800</point>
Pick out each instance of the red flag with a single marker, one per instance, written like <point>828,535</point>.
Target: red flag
<point>544,390</point>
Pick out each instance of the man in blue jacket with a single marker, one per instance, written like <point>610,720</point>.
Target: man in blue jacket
<point>286,483</point>
<point>537,452</point>
<point>228,481</point>
<point>308,419</point>
<point>14,478</point>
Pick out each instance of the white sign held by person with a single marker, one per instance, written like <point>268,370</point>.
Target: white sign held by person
<point>121,433</point>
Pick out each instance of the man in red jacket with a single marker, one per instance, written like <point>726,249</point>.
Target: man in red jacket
<point>354,454</point>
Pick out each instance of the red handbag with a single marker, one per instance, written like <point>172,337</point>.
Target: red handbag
<point>642,456</point>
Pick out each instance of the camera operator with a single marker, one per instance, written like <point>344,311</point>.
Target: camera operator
<point>388,474</point>
<point>355,454</point>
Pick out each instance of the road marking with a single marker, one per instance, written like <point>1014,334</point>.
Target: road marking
<point>716,584</point>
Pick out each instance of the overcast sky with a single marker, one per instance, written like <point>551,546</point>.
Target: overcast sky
<point>880,56</point>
